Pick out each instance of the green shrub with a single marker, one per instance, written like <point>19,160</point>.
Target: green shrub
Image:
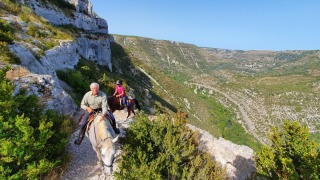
<point>6,55</point>
<point>11,5</point>
<point>5,38</point>
<point>50,44</point>
<point>77,81</point>
<point>292,154</point>
<point>6,32</point>
<point>164,149</point>
<point>63,4</point>
<point>32,140</point>
<point>4,26</point>
<point>32,30</point>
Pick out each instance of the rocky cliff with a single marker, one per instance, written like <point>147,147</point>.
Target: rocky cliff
<point>91,41</point>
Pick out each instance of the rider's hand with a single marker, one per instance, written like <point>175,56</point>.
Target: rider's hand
<point>89,109</point>
<point>101,118</point>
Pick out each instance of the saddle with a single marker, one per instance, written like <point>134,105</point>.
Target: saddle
<point>91,117</point>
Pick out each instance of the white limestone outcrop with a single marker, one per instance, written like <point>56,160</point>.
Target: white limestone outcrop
<point>83,18</point>
<point>237,159</point>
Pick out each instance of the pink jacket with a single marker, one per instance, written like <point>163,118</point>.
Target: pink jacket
<point>119,90</point>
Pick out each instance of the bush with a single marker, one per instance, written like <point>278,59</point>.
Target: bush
<point>32,30</point>
<point>11,6</point>
<point>63,4</point>
<point>6,32</point>
<point>32,141</point>
<point>292,154</point>
<point>77,81</point>
<point>164,149</point>
<point>6,55</point>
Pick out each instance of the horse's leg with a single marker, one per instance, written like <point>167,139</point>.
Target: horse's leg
<point>129,112</point>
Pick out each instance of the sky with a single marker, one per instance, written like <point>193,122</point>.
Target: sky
<point>228,24</point>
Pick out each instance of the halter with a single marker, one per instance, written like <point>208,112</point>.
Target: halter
<point>108,165</point>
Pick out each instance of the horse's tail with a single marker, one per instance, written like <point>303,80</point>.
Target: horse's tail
<point>137,104</point>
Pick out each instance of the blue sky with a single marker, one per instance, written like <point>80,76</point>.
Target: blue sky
<point>228,24</point>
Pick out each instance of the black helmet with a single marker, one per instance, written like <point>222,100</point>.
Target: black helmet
<point>118,82</point>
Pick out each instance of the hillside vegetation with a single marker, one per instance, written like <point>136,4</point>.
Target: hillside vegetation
<point>258,89</point>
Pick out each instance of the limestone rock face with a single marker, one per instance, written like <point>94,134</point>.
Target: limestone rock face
<point>237,159</point>
<point>61,57</point>
<point>82,18</point>
<point>93,43</point>
<point>45,87</point>
<point>96,50</point>
<point>48,91</point>
<point>43,77</point>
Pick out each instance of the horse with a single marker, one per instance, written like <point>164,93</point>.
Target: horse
<point>100,134</point>
<point>114,104</point>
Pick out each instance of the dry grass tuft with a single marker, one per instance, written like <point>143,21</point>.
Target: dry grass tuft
<point>17,72</point>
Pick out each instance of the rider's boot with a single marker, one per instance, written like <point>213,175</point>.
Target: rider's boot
<point>80,137</point>
<point>114,126</point>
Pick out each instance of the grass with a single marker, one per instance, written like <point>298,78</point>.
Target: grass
<point>224,121</point>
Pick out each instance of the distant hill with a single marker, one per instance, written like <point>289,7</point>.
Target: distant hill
<point>257,88</point>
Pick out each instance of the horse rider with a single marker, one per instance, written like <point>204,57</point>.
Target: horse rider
<point>94,101</point>
<point>121,93</point>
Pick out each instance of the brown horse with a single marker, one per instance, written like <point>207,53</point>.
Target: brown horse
<point>114,104</point>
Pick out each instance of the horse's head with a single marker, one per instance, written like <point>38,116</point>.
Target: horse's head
<point>107,157</point>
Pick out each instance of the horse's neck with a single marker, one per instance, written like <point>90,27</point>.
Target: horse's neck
<point>101,129</point>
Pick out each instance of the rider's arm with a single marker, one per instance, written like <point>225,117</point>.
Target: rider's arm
<point>122,92</point>
<point>84,103</point>
<point>115,92</point>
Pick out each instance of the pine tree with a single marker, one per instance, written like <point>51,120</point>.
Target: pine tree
<point>165,149</point>
<point>292,154</point>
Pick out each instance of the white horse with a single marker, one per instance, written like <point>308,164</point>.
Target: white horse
<point>101,136</point>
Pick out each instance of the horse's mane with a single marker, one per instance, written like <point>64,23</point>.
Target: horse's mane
<point>102,130</point>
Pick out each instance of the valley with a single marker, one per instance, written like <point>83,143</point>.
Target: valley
<point>260,88</point>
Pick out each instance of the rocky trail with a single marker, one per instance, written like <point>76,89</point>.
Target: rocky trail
<point>83,163</point>
<point>237,159</point>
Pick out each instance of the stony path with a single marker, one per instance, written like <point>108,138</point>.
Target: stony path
<point>237,159</point>
<point>82,165</point>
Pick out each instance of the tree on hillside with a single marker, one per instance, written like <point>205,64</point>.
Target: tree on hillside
<point>32,140</point>
<point>292,154</point>
<point>165,149</point>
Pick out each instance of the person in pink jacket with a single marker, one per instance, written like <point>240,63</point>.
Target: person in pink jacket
<point>121,93</point>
